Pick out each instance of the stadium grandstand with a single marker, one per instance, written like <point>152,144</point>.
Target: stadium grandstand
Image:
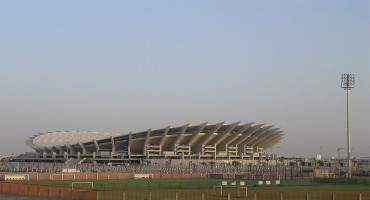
<point>219,141</point>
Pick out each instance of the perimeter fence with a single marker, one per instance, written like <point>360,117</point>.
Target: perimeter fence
<point>58,192</point>
<point>363,181</point>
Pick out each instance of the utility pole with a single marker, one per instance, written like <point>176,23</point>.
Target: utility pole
<point>340,148</point>
<point>348,82</point>
<point>278,148</point>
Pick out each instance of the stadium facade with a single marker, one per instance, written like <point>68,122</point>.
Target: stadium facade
<point>205,141</point>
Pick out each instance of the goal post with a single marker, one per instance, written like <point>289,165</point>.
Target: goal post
<point>82,185</point>
<point>63,177</point>
<point>328,175</point>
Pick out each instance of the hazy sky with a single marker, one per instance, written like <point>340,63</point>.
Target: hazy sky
<point>121,66</point>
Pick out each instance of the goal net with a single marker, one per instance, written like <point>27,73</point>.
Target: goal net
<point>63,177</point>
<point>82,185</point>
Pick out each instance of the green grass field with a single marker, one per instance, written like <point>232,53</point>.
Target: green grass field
<point>139,183</point>
<point>201,183</point>
<point>198,189</point>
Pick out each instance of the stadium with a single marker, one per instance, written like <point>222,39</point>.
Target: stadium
<point>206,161</point>
<point>221,141</point>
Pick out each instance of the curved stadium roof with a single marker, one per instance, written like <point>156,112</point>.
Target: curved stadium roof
<point>203,139</point>
<point>61,138</point>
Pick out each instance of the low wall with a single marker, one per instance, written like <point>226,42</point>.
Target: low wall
<point>103,175</point>
<point>47,191</point>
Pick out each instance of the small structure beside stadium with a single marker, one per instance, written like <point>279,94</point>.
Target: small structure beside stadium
<point>70,170</point>
<point>205,141</point>
<point>13,177</point>
<point>141,176</point>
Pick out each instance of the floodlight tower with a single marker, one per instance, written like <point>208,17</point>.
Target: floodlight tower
<point>348,82</point>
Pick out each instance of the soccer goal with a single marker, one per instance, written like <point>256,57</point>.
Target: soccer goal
<point>328,175</point>
<point>82,185</point>
<point>63,177</point>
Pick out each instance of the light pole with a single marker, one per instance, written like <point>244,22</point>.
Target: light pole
<point>278,148</point>
<point>348,82</point>
<point>339,148</point>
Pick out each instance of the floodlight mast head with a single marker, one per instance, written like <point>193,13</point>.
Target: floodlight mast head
<point>348,81</point>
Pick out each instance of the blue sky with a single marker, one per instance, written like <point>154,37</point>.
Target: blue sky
<point>122,66</point>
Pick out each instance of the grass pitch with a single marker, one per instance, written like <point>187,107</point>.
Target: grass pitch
<point>201,183</point>
<point>199,189</point>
